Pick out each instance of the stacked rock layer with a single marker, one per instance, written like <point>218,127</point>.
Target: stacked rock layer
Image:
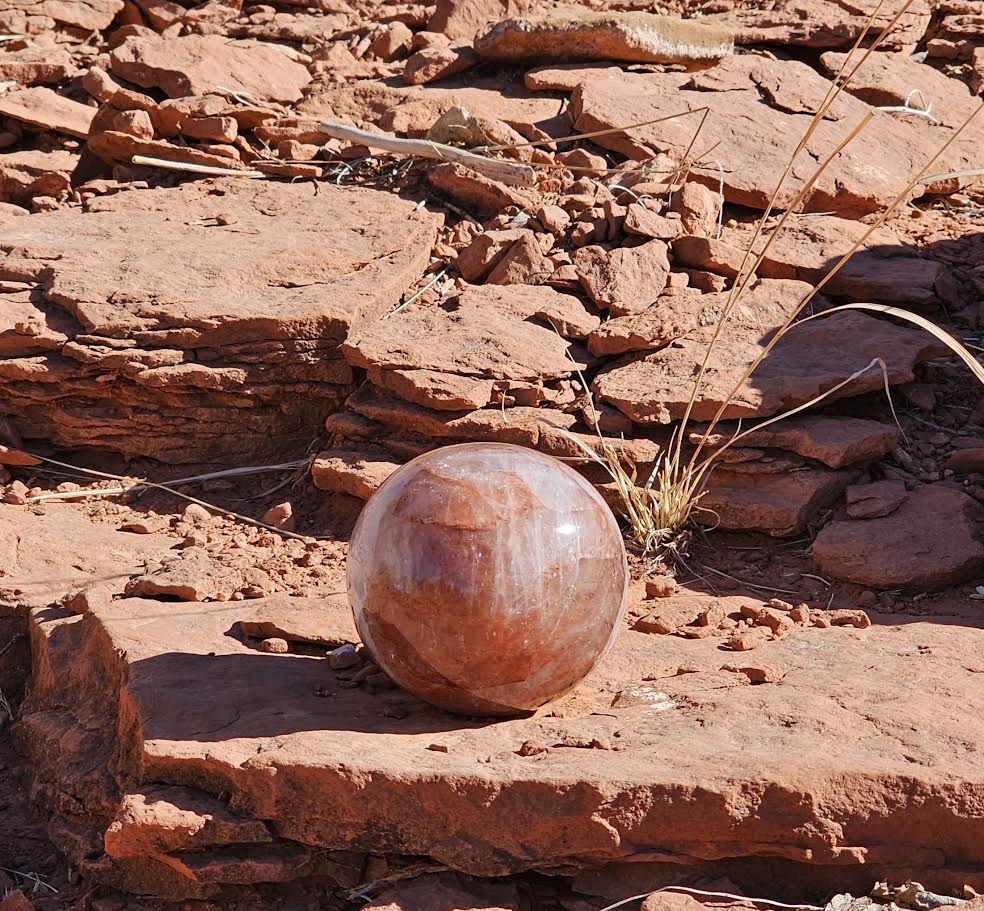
<point>131,327</point>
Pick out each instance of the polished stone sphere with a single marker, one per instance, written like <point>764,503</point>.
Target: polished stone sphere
<point>486,578</point>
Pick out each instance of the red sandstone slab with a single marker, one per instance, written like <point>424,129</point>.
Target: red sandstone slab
<point>230,352</point>
<point>259,260</point>
<point>199,64</point>
<point>41,107</point>
<point>759,109</point>
<point>60,551</point>
<point>811,359</point>
<point>825,23</point>
<point>850,758</point>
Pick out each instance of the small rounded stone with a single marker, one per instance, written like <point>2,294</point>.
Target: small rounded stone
<point>343,657</point>
<point>661,587</point>
<point>275,646</point>
<point>486,578</point>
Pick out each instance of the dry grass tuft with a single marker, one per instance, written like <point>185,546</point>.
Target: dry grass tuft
<point>37,881</point>
<point>660,511</point>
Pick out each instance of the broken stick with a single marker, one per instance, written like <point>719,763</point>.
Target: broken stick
<point>209,170</point>
<point>513,173</point>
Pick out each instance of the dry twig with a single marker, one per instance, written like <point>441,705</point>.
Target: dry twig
<point>207,170</point>
<point>509,172</point>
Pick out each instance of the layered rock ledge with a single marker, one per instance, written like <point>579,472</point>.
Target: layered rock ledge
<point>178,759</point>
<point>197,323</point>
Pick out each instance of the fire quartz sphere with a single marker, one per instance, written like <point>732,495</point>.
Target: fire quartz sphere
<point>486,578</point>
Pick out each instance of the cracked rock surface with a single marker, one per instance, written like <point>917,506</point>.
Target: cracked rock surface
<point>189,323</point>
<point>308,780</point>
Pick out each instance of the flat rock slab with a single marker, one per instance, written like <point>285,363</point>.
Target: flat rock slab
<point>413,109</point>
<point>359,474</point>
<point>31,173</point>
<point>184,323</point>
<point>834,440</point>
<point>36,64</point>
<point>428,893</point>
<point>641,762</point>
<point>587,35</point>
<point>61,551</point>
<point>812,358</point>
<point>484,334</point>
<point>885,269</point>
<point>200,64</point>
<point>461,19</point>
<point>625,280</point>
<point>825,23</point>
<point>87,15</point>
<point>778,504</point>
<point>931,540</point>
<point>888,79</point>
<point>759,110</point>
<point>46,557</point>
<point>41,107</point>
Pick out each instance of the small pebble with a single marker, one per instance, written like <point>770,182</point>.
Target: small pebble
<point>437,747</point>
<point>280,516</point>
<point>856,618</point>
<point>16,493</point>
<point>147,526</point>
<point>380,681</point>
<point>196,515</point>
<point>866,599</point>
<point>365,672</point>
<point>661,587</point>
<point>746,641</point>
<point>275,646</point>
<point>343,657</point>
<point>756,673</point>
<point>82,602</point>
<point>713,615</point>
<point>800,614</point>
<point>775,619</point>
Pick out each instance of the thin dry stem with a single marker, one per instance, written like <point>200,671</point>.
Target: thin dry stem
<point>207,170</point>
<point>948,175</point>
<point>767,348</point>
<point>768,902</point>
<point>145,483</point>
<point>738,288</point>
<point>591,135</point>
<point>833,92</point>
<point>685,158</point>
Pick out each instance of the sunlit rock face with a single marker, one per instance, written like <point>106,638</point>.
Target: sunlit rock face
<point>487,579</point>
